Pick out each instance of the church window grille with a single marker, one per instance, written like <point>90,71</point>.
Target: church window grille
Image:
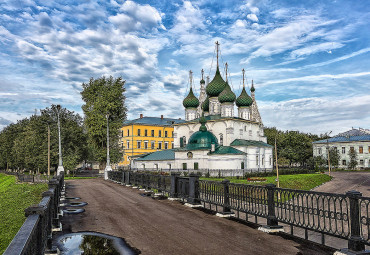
<point>343,150</point>
<point>257,163</point>
<point>221,139</point>
<point>242,165</point>
<point>319,151</point>
<point>184,141</point>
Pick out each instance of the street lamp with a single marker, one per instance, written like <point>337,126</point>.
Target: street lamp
<point>107,167</point>
<point>328,149</point>
<point>60,166</point>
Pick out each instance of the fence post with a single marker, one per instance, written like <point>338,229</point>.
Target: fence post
<point>41,227</point>
<point>355,242</point>
<point>123,178</point>
<point>174,183</point>
<point>272,222</point>
<point>226,204</point>
<point>193,198</point>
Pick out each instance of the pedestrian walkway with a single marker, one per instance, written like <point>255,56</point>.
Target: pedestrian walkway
<point>168,227</point>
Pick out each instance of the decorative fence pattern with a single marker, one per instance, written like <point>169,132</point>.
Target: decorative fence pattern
<point>343,216</point>
<point>35,234</point>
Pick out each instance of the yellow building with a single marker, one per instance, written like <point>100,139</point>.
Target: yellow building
<point>145,135</point>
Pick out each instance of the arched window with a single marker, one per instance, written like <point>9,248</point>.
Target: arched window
<point>221,139</point>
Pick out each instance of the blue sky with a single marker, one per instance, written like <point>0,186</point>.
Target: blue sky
<point>309,59</point>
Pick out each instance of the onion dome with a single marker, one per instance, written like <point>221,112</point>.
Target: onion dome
<point>190,101</point>
<point>244,99</point>
<point>205,105</point>
<point>216,86</point>
<point>227,95</point>
<point>202,81</point>
<point>202,139</point>
<point>252,88</point>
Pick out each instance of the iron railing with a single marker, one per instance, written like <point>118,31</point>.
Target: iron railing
<point>35,235</point>
<point>343,216</point>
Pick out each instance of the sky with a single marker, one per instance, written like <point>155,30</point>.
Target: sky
<point>310,60</point>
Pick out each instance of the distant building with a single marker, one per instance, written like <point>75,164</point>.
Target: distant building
<point>212,137</point>
<point>354,139</point>
<point>145,135</point>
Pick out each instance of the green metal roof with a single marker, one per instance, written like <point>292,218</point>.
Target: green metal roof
<point>216,86</point>
<point>159,155</point>
<point>244,99</point>
<point>227,96</point>
<point>205,105</point>
<point>153,121</point>
<point>242,142</point>
<point>190,101</point>
<point>226,150</point>
<point>202,139</point>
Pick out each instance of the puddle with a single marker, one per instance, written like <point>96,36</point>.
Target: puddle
<point>73,211</point>
<point>93,243</point>
<point>146,194</point>
<point>77,204</point>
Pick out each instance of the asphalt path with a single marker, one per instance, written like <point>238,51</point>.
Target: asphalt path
<point>168,227</point>
<point>346,181</point>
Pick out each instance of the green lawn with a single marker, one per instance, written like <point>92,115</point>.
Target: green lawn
<point>14,198</point>
<point>294,181</point>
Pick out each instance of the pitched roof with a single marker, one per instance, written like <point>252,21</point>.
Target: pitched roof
<point>226,150</point>
<point>159,155</point>
<point>345,139</point>
<point>153,121</point>
<point>242,142</point>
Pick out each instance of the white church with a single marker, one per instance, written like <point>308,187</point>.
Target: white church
<point>212,138</point>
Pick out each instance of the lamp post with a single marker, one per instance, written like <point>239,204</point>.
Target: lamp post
<point>60,166</point>
<point>107,167</point>
<point>328,150</point>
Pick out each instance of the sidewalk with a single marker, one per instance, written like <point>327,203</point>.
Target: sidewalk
<point>167,227</point>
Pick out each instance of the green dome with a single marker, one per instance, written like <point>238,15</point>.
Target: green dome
<point>190,101</point>
<point>244,99</point>
<point>205,105</point>
<point>202,81</point>
<point>216,86</point>
<point>252,88</point>
<point>227,96</point>
<point>202,139</point>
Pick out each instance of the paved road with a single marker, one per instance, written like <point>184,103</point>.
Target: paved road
<point>346,181</point>
<point>167,227</point>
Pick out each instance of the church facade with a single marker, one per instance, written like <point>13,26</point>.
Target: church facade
<point>213,135</point>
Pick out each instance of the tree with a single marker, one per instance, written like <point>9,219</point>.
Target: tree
<point>352,159</point>
<point>24,145</point>
<point>334,157</point>
<point>102,96</point>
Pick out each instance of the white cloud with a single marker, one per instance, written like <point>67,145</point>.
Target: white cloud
<point>312,49</point>
<point>252,17</point>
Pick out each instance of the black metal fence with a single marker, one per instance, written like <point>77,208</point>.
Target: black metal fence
<point>34,178</point>
<point>343,216</point>
<point>35,235</point>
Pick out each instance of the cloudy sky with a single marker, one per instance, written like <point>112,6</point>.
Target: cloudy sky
<point>310,60</point>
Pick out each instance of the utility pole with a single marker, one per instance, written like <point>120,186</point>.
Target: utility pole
<point>60,166</point>
<point>108,166</point>
<point>328,149</point>
<point>277,166</point>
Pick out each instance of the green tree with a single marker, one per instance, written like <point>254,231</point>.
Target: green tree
<point>102,96</point>
<point>334,157</point>
<point>24,145</point>
<point>352,159</point>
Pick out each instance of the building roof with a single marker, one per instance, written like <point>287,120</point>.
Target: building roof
<point>158,155</point>
<point>202,139</point>
<point>244,100</point>
<point>226,96</point>
<point>226,150</point>
<point>345,139</point>
<point>355,132</point>
<point>216,86</point>
<point>242,142</point>
<point>153,121</point>
<point>190,101</point>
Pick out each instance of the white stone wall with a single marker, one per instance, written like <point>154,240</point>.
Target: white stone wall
<point>191,114</point>
<point>227,110</point>
<point>244,113</point>
<point>230,128</point>
<point>321,149</point>
<point>214,106</point>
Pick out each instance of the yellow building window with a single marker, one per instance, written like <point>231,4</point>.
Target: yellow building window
<point>146,145</point>
<point>160,133</point>
<point>152,133</point>
<point>146,132</point>
<point>165,134</point>
<point>128,132</point>
<point>138,132</point>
